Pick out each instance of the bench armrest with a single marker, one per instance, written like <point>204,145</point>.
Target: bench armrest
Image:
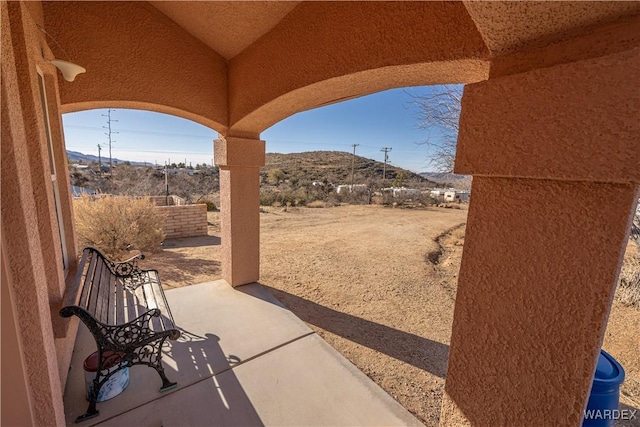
<point>132,259</point>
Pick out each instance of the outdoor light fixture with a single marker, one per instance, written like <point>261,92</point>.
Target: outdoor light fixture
<point>69,70</point>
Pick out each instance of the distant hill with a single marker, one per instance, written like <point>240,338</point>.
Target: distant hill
<point>78,157</point>
<point>335,167</point>
<point>462,182</point>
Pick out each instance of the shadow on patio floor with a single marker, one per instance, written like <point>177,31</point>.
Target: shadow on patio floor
<point>415,350</point>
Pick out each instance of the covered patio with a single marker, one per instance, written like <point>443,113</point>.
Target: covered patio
<point>549,129</point>
<point>243,359</point>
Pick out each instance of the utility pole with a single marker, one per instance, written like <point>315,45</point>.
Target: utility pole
<point>353,163</point>
<point>166,183</point>
<point>386,158</point>
<point>109,133</point>
<point>99,162</point>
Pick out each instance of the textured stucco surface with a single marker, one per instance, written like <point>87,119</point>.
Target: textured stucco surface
<point>507,25</point>
<point>240,160</point>
<point>617,36</point>
<point>227,27</point>
<point>233,151</point>
<point>320,41</point>
<point>538,272</point>
<point>22,234</point>
<point>136,57</point>
<point>14,393</point>
<point>575,121</point>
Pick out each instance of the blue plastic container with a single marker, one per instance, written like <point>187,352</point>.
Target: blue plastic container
<point>602,408</point>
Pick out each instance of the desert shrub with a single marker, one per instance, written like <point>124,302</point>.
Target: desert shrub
<point>284,198</point>
<point>427,200</point>
<point>210,205</point>
<point>117,225</point>
<point>275,176</point>
<point>628,292</point>
<point>316,204</point>
<point>267,198</point>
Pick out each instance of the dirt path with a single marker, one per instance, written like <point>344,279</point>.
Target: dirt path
<point>361,277</point>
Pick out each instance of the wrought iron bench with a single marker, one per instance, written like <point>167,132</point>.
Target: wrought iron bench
<point>126,311</point>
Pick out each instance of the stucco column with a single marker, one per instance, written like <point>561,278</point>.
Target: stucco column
<point>556,165</point>
<point>240,160</point>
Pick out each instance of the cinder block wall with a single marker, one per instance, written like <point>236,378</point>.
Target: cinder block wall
<point>185,220</point>
<point>162,200</point>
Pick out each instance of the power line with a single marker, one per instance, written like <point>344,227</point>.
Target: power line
<point>141,131</point>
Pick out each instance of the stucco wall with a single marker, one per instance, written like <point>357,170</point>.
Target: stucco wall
<point>537,279</point>
<point>185,220</point>
<point>28,214</point>
<point>571,121</point>
<point>16,408</point>
<point>539,267</point>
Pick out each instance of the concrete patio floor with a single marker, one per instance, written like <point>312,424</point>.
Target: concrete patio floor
<point>243,360</point>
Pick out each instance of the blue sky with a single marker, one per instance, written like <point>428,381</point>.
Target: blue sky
<point>384,119</point>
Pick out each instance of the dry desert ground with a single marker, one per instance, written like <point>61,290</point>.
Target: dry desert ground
<point>379,285</point>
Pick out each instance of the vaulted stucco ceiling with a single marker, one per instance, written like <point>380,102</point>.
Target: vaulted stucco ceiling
<point>228,27</point>
<point>250,64</point>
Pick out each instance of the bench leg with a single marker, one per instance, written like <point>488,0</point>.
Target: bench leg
<point>92,411</point>
<point>157,365</point>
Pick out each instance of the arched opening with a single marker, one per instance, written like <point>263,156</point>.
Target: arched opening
<point>358,269</point>
<point>169,160</point>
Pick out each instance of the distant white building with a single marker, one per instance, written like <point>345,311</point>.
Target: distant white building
<point>437,194</point>
<point>405,192</point>
<point>401,191</point>
<point>456,196</point>
<point>79,166</point>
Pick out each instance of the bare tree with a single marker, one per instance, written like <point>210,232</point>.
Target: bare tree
<point>438,112</point>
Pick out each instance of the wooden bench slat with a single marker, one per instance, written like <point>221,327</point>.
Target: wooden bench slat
<point>103,288</point>
<point>151,292</point>
<point>119,302</point>
<point>111,310</point>
<point>161,303</point>
<point>86,269</point>
<point>134,308</point>
<point>73,293</point>
<point>87,278</point>
<point>93,292</point>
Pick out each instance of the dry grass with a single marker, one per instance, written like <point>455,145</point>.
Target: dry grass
<point>450,205</point>
<point>316,204</point>
<point>117,225</point>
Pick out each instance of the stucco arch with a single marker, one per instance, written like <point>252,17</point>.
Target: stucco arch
<point>360,48</point>
<point>146,106</point>
<point>138,58</point>
<point>358,84</point>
